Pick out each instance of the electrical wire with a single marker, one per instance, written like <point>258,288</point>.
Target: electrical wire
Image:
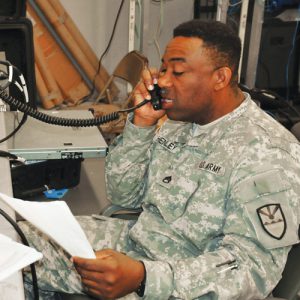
<point>277,96</point>
<point>104,53</point>
<point>159,28</point>
<point>210,8</point>
<point>290,56</point>
<point>22,122</point>
<point>25,108</point>
<point>270,98</point>
<point>234,7</point>
<point>22,87</point>
<point>138,24</point>
<point>25,242</point>
<point>235,4</point>
<point>28,110</point>
<point>8,155</point>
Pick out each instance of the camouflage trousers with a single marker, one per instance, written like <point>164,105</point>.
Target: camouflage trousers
<point>55,271</point>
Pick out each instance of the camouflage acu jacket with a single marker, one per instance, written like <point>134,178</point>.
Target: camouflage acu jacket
<point>220,203</point>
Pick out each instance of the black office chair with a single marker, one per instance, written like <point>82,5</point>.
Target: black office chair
<point>289,285</point>
<point>295,130</point>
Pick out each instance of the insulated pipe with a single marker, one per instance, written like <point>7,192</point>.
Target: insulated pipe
<point>65,19</point>
<point>46,74</point>
<point>42,90</point>
<point>70,83</point>
<point>70,43</point>
<point>81,42</point>
<point>59,41</point>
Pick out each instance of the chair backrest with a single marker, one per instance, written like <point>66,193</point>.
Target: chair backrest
<point>295,130</point>
<point>129,68</point>
<point>289,285</point>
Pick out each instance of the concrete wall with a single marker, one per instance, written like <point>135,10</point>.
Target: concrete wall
<point>95,19</point>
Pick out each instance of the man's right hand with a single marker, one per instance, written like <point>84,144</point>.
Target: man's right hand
<point>110,275</point>
<point>146,115</point>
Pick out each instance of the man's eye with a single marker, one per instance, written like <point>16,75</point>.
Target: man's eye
<point>177,73</point>
<point>163,71</point>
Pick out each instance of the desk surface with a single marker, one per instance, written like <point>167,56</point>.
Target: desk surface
<point>38,140</point>
<point>12,287</point>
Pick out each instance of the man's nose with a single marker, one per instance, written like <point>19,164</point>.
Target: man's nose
<point>165,81</point>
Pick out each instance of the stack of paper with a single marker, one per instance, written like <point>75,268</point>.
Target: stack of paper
<point>15,256</point>
<point>55,220</point>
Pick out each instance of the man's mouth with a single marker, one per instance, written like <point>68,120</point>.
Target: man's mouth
<point>167,103</point>
<point>167,100</point>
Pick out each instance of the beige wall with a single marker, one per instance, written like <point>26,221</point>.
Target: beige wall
<point>95,19</point>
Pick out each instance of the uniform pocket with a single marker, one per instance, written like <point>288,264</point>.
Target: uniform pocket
<point>272,181</point>
<point>172,193</point>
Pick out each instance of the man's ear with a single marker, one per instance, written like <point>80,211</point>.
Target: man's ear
<point>222,78</point>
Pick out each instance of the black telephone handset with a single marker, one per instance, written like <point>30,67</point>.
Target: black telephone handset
<point>156,97</point>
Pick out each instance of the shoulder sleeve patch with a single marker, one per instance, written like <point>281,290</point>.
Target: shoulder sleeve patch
<point>265,200</point>
<point>273,221</point>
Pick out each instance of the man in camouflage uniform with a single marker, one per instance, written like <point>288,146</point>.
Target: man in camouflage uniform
<point>218,183</point>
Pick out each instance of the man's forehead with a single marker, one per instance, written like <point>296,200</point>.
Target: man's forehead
<point>180,48</point>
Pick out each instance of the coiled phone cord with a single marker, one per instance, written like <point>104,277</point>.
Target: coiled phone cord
<point>25,108</point>
<point>29,110</point>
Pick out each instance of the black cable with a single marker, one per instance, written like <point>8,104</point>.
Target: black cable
<point>25,108</point>
<point>278,97</point>
<point>25,242</point>
<point>28,110</point>
<point>14,159</point>
<point>8,155</point>
<point>24,119</point>
<point>4,75</point>
<point>207,9</point>
<point>135,107</point>
<point>105,51</point>
<point>197,9</point>
<point>288,118</point>
<point>271,100</point>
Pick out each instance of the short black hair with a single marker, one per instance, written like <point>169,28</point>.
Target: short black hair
<point>217,36</point>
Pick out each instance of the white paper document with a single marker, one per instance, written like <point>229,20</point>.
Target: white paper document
<point>56,221</point>
<point>15,256</point>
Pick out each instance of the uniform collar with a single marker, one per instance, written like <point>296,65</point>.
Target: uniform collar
<point>205,137</point>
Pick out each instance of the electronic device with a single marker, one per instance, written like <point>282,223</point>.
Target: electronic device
<point>273,5</point>
<point>156,97</point>
<point>38,176</point>
<point>16,46</point>
<point>276,45</point>
<point>39,141</point>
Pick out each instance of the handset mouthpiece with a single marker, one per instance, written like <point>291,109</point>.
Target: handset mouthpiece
<point>156,97</point>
